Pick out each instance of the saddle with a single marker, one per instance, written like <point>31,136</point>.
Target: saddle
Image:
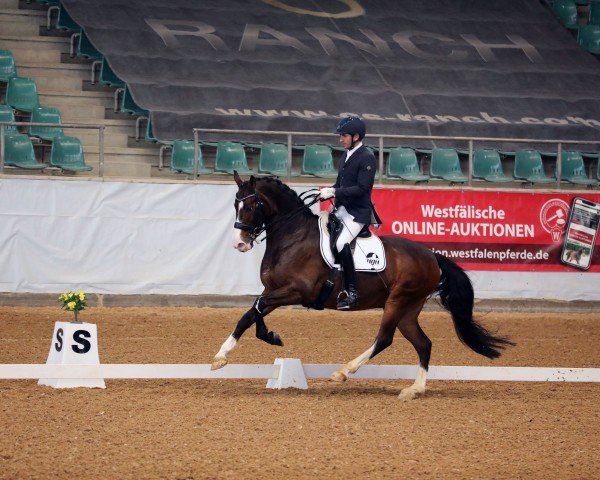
<point>367,250</point>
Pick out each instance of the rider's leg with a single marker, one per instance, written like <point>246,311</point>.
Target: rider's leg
<point>349,273</point>
<point>349,233</point>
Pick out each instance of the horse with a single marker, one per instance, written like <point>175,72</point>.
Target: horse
<point>293,271</point>
<point>574,255</point>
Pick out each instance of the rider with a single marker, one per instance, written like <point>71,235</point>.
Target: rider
<point>352,192</point>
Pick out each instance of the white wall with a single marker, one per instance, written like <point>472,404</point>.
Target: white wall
<point>156,238</point>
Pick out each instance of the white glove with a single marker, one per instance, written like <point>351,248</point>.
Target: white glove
<point>326,193</point>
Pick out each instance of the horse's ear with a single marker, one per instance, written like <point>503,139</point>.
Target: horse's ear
<point>237,178</point>
<point>252,181</point>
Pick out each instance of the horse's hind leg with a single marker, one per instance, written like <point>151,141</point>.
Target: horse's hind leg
<point>410,328</point>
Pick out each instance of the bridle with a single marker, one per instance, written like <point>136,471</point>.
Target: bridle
<point>255,230</point>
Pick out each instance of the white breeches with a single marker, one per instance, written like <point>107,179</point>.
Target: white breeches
<point>351,228</point>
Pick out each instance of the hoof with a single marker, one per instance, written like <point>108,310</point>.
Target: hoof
<point>277,340</point>
<point>339,376</point>
<point>218,363</point>
<point>409,394</point>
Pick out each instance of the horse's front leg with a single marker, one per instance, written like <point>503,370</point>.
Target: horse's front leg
<point>263,305</point>
<point>229,345</point>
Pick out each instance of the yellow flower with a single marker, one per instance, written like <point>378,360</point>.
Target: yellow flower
<point>81,295</point>
<point>71,305</point>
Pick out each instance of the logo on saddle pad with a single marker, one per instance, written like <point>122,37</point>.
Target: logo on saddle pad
<point>372,259</point>
<point>369,255</point>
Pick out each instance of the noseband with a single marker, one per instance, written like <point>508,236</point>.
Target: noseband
<point>253,230</point>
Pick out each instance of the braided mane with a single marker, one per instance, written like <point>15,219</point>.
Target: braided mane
<point>275,185</point>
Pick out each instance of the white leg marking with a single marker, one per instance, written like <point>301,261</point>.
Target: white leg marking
<point>416,388</point>
<point>359,361</point>
<point>341,375</point>
<point>227,347</point>
<point>220,359</point>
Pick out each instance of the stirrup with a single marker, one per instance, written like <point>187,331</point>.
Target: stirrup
<point>349,301</point>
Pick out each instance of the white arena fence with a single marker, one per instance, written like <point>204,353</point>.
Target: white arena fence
<point>292,373</point>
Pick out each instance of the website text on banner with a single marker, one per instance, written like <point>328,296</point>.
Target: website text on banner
<point>510,231</point>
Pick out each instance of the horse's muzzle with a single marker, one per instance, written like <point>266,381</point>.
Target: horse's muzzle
<point>239,244</point>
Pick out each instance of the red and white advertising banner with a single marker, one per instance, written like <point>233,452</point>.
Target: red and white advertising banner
<point>484,230</point>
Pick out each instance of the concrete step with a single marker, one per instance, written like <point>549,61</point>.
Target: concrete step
<point>113,137</point>
<point>119,162</point>
<point>9,4</point>
<point>41,42</point>
<point>58,99</point>
<point>67,84</point>
<point>20,15</point>
<point>25,54</point>
<point>80,113</point>
<point>9,27</point>
<point>59,68</point>
<point>89,138</point>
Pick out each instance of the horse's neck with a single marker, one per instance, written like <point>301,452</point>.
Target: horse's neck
<point>287,237</point>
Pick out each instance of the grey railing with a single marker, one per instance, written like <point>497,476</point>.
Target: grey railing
<point>100,129</point>
<point>289,136</point>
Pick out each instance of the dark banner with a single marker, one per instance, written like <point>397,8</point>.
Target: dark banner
<point>435,67</point>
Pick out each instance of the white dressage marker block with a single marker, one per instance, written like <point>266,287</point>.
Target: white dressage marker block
<point>73,344</point>
<point>291,375</point>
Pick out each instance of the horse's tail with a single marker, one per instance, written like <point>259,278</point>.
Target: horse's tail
<point>456,295</point>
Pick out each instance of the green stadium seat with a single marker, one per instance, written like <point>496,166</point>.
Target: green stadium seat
<point>86,49</point>
<point>182,158</point>
<point>318,161</point>
<point>573,169</point>
<point>588,37</point>
<point>108,77</point>
<point>273,159</point>
<point>18,152</point>
<point>594,16</point>
<point>566,11</point>
<point>128,104</point>
<point>65,22</point>
<point>530,168</point>
<point>231,156</point>
<point>7,114</point>
<point>488,166</point>
<point>8,68</point>
<point>445,164</point>
<point>45,115</point>
<point>402,163</point>
<point>67,154</point>
<point>21,94</point>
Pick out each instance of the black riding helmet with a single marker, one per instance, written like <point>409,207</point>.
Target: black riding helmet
<point>352,125</point>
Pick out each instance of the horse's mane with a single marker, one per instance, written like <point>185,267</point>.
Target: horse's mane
<point>285,191</point>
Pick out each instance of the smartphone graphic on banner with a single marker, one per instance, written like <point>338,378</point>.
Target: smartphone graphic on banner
<point>581,233</point>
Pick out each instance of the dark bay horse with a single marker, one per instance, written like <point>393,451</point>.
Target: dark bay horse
<point>293,272</point>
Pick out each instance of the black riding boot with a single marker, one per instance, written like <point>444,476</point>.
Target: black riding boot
<point>349,276</point>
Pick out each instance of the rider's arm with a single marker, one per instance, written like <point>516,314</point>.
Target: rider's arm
<point>364,181</point>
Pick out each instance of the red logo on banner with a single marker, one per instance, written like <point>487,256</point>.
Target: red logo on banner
<point>553,217</point>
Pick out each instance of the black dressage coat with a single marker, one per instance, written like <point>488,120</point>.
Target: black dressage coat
<point>354,184</point>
